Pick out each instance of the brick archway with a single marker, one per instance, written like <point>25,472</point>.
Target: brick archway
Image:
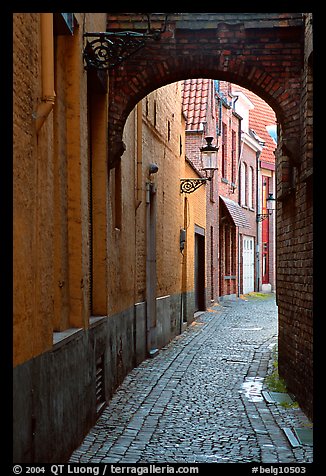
<point>267,53</point>
<point>263,56</point>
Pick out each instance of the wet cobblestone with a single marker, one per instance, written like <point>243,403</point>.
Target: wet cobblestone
<point>200,399</point>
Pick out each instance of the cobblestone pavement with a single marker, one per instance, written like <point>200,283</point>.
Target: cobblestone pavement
<point>200,399</point>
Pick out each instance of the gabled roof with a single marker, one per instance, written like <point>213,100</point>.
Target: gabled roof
<point>261,116</point>
<point>195,95</point>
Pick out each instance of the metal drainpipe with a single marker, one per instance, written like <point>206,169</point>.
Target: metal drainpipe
<point>258,244</point>
<point>47,67</point>
<point>151,268</point>
<point>138,201</point>
<point>139,154</point>
<point>237,179</point>
<point>239,262</point>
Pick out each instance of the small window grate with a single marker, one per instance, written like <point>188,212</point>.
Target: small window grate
<point>100,387</point>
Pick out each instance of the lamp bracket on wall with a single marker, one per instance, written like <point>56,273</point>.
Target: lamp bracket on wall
<point>270,204</point>
<point>262,216</point>
<point>189,185</point>
<point>106,50</point>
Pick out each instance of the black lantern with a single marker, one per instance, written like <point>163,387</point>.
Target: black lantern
<point>270,205</point>
<point>209,155</point>
<point>209,163</point>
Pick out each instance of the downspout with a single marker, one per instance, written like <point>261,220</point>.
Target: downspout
<point>239,261</point>
<point>237,179</point>
<point>47,71</point>
<point>139,154</point>
<point>151,268</point>
<point>258,230</point>
<point>138,201</point>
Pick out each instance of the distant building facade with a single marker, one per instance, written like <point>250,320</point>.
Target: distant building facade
<point>261,126</point>
<point>237,258</point>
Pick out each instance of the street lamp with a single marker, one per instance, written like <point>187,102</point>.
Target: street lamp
<point>209,163</point>
<point>270,205</point>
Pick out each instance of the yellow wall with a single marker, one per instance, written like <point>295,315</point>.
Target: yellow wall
<point>51,260</point>
<point>195,214</point>
<point>52,256</point>
<point>162,148</point>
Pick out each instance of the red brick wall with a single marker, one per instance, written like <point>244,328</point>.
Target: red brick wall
<point>295,255</point>
<point>229,240</point>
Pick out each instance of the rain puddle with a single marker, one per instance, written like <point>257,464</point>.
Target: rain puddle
<point>252,388</point>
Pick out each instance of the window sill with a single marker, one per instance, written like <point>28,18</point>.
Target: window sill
<point>93,321</point>
<point>65,336</point>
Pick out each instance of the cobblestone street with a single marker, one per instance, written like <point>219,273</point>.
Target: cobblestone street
<point>200,399</point>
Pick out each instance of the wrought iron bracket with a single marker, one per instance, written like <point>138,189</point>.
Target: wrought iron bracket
<point>262,216</point>
<point>106,50</point>
<point>189,185</point>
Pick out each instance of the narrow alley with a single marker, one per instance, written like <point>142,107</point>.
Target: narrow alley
<point>163,238</point>
<point>201,398</point>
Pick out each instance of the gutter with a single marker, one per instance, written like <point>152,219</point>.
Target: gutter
<point>47,71</point>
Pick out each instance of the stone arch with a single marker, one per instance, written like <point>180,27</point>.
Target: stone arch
<point>128,86</point>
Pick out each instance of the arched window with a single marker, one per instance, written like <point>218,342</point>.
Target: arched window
<point>250,187</point>
<point>243,184</point>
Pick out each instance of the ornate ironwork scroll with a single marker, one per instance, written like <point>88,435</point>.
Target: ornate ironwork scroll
<point>189,185</point>
<point>108,49</point>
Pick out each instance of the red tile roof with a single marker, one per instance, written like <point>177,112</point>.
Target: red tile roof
<point>195,94</point>
<point>196,106</point>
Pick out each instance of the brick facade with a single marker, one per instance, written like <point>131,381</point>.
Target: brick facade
<point>295,252</point>
<point>228,187</point>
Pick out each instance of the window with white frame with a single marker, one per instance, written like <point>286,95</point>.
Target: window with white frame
<point>243,184</point>
<point>250,187</point>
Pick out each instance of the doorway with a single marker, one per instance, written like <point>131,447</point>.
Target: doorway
<point>248,260</point>
<point>200,298</point>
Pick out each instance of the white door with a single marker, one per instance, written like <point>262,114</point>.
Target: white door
<point>248,264</point>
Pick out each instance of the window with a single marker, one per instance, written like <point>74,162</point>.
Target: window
<point>243,184</point>
<point>233,156</point>
<point>224,150</point>
<point>250,187</point>
<point>117,197</point>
